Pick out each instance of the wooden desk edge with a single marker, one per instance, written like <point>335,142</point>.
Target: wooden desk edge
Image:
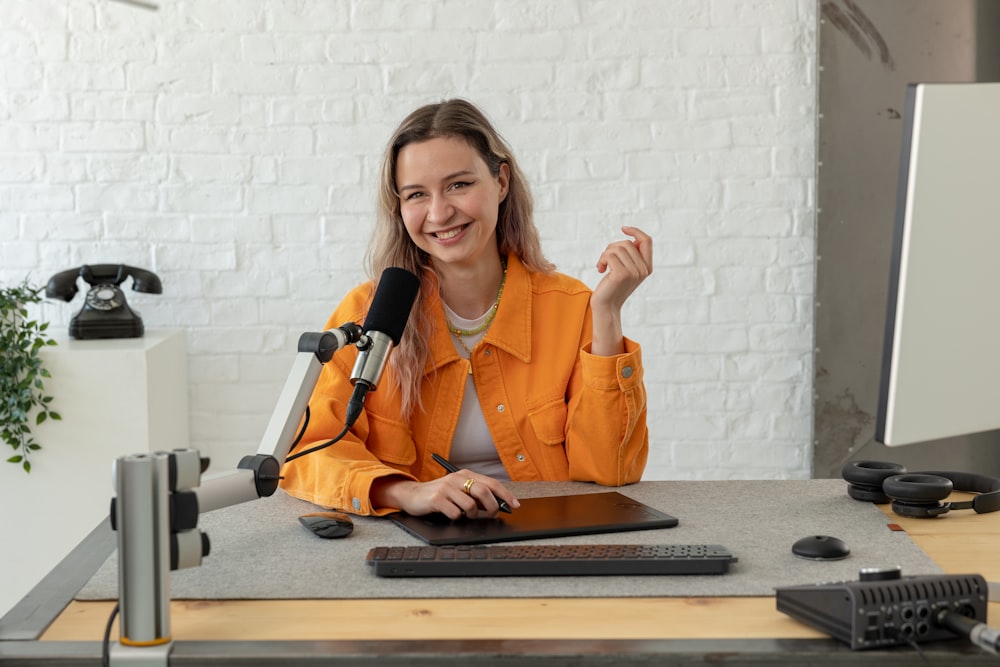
<point>525,618</point>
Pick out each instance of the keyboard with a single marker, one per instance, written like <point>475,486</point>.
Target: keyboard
<point>525,560</point>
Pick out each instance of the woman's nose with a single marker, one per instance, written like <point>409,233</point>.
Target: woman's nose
<point>439,210</point>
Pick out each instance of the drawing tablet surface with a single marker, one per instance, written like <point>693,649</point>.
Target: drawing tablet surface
<point>552,516</point>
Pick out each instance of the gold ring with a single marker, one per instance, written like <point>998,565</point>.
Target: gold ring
<point>468,486</point>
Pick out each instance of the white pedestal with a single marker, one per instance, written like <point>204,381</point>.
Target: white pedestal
<point>116,397</point>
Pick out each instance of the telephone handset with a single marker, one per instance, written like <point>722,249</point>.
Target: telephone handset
<point>105,313</point>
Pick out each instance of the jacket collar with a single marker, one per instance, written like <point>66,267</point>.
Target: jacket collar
<point>510,330</point>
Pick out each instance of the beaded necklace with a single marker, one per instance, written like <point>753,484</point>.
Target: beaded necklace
<point>489,318</point>
<point>459,333</point>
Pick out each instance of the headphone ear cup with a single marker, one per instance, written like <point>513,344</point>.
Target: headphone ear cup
<point>865,478</point>
<point>918,495</point>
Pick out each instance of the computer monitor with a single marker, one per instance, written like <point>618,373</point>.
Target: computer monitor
<point>941,356</point>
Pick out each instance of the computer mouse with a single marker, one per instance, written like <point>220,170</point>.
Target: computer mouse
<point>821,547</point>
<point>328,524</point>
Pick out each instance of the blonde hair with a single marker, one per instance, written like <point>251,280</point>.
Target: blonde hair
<point>391,245</point>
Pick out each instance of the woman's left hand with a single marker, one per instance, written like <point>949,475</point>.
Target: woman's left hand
<point>626,264</point>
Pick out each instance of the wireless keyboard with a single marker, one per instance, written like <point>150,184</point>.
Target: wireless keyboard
<point>522,560</point>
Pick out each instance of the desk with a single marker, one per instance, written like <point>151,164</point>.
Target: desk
<point>549,631</point>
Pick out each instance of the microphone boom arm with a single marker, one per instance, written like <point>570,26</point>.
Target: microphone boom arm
<point>160,495</point>
<point>257,476</point>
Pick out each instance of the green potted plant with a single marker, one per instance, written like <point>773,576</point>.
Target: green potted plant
<point>22,389</point>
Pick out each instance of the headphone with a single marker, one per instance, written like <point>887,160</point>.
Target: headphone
<point>919,494</point>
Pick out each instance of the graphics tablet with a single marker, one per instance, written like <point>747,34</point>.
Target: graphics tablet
<point>552,516</point>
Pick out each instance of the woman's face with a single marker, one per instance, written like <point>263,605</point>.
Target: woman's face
<point>448,199</point>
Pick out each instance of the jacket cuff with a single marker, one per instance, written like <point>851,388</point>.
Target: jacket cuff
<point>360,493</point>
<point>617,373</point>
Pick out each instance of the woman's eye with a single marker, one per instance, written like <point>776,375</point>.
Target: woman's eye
<point>460,184</point>
<point>412,196</point>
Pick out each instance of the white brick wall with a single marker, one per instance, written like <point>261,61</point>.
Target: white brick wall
<point>232,146</point>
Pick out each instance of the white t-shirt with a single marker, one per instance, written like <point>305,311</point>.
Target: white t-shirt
<point>472,447</point>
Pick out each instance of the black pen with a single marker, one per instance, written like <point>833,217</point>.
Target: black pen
<point>450,467</point>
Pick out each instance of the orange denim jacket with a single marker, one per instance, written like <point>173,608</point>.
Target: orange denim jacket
<point>555,411</point>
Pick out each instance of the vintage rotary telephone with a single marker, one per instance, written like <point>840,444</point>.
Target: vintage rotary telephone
<point>105,313</point>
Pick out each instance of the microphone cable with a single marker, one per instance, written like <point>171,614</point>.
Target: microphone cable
<point>298,438</point>
<point>106,647</point>
<point>324,445</point>
<point>977,632</point>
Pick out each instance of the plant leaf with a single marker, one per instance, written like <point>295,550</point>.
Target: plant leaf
<point>22,370</point>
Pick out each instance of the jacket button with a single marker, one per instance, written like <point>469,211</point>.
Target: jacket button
<point>627,372</point>
<point>500,408</point>
<point>520,457</point>
<point>356,504</point>
<point>487,352</point>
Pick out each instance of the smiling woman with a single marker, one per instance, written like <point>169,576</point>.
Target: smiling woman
<point>510,370</point>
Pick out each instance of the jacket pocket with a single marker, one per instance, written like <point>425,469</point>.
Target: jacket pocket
<point>549,422</point>
<point>391,441</point>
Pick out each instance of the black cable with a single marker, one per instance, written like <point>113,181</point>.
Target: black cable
<point>975,631</point>
<point>907,638</point>
<point>319,447</point>
<point>302,431</point>
<point>916,647</point>
<point>106,650</point>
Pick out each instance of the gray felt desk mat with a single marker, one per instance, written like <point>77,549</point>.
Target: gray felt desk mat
<point>260,551</point>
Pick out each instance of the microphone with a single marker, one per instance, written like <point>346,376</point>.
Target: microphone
<point>390,309</point>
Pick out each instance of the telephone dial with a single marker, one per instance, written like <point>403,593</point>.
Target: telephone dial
<point>105,313</point>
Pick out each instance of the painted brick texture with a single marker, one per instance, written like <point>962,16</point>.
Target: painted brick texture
<point>233,146</point>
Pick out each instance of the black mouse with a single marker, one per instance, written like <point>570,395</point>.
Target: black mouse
<point>328,524</point>
<point>821,547</point>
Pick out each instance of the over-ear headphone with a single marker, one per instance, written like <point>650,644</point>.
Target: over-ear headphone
<point>919,494</point>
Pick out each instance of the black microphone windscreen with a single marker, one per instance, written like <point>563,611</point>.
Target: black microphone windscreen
<point>397,290</point>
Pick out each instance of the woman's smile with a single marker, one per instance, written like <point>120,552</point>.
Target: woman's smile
<point>450,234</point>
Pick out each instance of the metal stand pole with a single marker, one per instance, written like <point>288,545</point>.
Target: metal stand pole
<point>142,517</point>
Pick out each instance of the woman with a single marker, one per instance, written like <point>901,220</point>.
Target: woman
<point>506,368</point>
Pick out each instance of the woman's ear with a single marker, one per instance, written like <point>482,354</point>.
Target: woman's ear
<point>503,179</point>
